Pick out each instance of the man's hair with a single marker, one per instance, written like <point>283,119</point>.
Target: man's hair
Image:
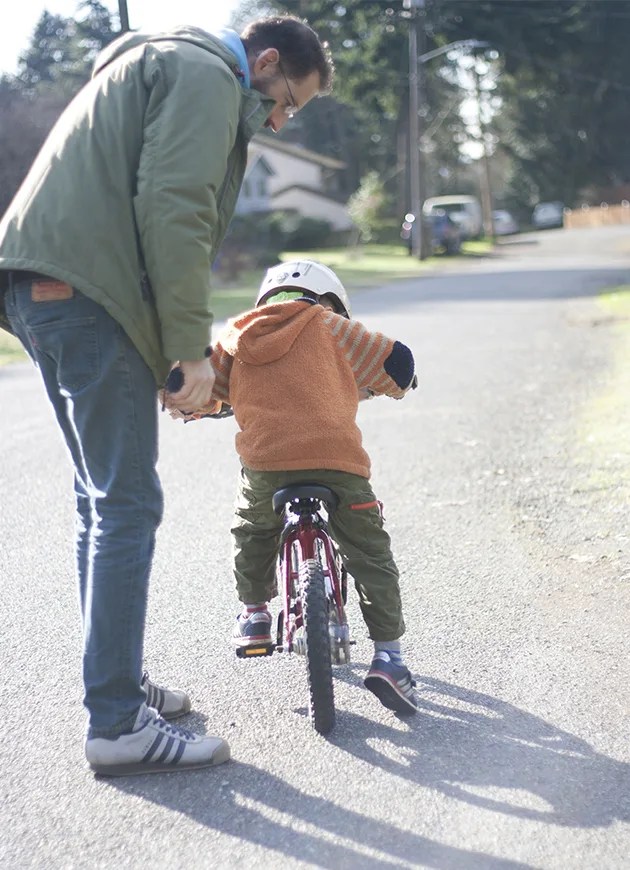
<point>301,51</point>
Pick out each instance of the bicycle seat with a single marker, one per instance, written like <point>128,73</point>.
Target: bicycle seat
<point>304,490</point>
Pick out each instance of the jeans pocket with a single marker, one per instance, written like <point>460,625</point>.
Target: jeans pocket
<point>73,345</point>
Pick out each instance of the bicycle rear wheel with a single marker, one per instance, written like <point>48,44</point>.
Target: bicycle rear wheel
<point>318,660</point>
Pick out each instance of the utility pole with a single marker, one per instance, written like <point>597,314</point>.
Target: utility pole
<point>416,180</point>
<point>123,15</point>
<point>486,184</point>
<point>421,240</point>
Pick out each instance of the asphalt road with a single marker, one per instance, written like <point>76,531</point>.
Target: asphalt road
<point>510,525</point>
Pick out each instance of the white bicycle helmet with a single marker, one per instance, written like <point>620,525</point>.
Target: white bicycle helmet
<point>305,275</point>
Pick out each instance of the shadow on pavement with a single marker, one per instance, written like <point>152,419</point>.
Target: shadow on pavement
<point>241,810</point>
<point>461,743</point>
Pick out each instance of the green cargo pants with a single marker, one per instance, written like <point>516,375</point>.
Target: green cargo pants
<point>356,526</point>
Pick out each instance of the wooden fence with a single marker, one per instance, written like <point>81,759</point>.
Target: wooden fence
<point>597,216</point>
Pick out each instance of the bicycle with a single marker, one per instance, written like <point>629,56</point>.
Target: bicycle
<point>313,584</point>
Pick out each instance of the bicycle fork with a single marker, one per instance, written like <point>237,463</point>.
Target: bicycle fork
<point>312,543</point>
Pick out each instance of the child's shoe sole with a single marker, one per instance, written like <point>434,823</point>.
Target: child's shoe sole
<point>389,695</point>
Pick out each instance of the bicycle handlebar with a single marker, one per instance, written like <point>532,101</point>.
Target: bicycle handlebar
<point>174,383</point>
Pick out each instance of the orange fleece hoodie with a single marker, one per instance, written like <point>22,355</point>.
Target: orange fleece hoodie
<point>292,372</point>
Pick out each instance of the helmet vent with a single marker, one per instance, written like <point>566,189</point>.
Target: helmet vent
<point>295,275</point>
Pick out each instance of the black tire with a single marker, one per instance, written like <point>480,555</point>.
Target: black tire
<point>318,660</point>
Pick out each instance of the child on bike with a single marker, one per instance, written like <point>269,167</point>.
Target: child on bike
<point>294,369</point>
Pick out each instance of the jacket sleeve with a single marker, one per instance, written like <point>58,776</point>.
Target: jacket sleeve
<point>379,364</point>
<point>190,129</point>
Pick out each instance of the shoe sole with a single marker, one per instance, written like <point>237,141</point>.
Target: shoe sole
<point>220,757</point>
<point>389,696</point>
<point>263,640</point>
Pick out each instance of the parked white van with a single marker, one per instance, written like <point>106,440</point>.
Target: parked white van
<point>464,210</point>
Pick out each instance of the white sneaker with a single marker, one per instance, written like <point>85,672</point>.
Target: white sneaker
<point>170,703</point>
<point>154,746</point>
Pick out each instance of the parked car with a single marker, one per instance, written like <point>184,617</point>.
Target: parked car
<point>504,223</point>
<point>547,215</point>
<point>446,235</point>
<point>464,210</point>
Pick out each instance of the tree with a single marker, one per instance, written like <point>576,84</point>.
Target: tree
<point>364,206</point>
<point>565,89</point>
<point>62,50</point>
<point>24,124</point>
<point>55,65</point>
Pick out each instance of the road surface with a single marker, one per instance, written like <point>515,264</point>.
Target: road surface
<point>506,496</point>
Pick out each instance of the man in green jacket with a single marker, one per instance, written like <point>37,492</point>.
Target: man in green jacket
<point>105,258</point>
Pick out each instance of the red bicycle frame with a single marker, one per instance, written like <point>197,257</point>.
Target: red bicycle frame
<point>309,533</point>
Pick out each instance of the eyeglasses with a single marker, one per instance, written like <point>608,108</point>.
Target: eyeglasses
<point>290,109</point>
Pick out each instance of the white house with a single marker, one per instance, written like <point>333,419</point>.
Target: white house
<point>283,176</point>
<point>254,195</point>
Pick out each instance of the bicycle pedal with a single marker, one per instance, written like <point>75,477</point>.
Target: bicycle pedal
<point>250,652</point>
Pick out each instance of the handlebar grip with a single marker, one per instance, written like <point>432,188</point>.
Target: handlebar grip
<point>175,380</point>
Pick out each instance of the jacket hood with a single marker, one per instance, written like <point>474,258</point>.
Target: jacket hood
<point>194,35</point>
<point>264,335</point>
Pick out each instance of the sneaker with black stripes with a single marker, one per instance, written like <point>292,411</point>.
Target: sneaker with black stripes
<point>391,682</point>
<point>170,703</point>
<point>154,746</point>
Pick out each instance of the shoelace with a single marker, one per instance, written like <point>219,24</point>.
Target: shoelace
<point>167,728</point>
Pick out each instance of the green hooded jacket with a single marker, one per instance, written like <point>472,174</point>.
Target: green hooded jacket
<point>131,194</point>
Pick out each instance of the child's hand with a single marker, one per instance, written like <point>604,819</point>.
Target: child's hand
<point>216,409</point>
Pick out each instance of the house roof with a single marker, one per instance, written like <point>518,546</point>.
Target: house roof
<point>262,141</point>
<point>305,188</point>
<point>256,158</point>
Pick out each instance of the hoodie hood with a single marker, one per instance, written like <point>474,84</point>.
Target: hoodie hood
<point>194,35</point>
<point>264,335</point>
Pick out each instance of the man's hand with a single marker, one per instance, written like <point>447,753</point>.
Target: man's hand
<point>196,391</point>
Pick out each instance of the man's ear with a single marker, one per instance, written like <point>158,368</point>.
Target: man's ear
<point>267,57</point>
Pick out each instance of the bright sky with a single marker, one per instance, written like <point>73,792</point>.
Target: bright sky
<point>17,25</point>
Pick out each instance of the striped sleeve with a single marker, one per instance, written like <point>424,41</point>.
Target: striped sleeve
<point>222,365</point>
<point>378,364</point>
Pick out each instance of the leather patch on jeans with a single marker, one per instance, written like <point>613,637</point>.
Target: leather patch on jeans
<point>50,291</point>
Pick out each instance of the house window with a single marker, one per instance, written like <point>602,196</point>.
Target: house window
<point>262,187</point>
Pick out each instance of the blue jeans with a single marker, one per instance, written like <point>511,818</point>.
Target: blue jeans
<point>104,398</point>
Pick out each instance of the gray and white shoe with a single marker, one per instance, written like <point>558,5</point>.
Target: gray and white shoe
<point>391,683</point>
<point>170,703</point>
<point>154,746</point>
<point>253,629</point>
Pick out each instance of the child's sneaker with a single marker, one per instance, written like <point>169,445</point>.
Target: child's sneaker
<point>253,629</point>
<point>170,703</point>
<point>154,746</point>
<point>391,683</point>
